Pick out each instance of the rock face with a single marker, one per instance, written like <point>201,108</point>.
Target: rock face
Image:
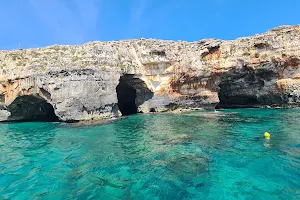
<point>107,79</point>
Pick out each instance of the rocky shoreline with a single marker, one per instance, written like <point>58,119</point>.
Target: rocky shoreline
<point>105,80</point>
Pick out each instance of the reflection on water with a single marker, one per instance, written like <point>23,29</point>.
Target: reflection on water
<point>196,155</point>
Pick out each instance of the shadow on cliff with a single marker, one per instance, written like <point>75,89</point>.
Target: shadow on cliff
<point>31,108</point>
<point>131,92</point>
<point>248,88</point>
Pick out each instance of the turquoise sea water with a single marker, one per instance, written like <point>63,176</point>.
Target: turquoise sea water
<point>196,155</point>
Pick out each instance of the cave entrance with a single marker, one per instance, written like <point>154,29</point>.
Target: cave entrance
<point>126,94</point>
<point>31,108</point>
<point>132,92</point>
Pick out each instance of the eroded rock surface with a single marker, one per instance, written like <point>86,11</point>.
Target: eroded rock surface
<point>80,82</point>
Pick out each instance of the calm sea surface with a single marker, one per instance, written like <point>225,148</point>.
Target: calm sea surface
<point>196,155</point>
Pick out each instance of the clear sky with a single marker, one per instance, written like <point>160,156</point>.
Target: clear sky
<point>38,23</point>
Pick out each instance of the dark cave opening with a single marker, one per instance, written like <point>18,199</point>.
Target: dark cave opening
<point>245,88</point>
<point>31,108</point>
<point>132,92</point>
<point>126,94</point>
<point>237,101</point>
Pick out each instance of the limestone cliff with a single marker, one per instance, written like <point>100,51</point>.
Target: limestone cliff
<point>107,79</point>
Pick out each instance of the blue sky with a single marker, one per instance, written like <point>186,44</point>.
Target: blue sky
<point>38,23</point>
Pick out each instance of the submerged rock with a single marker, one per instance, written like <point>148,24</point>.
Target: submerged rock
<point>102,80</point>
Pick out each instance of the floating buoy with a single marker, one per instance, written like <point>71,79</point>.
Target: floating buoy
<point>267,135</point>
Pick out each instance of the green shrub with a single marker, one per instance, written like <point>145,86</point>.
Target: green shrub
<point>122,67</point>
<point>203,59</point>
<point>246,53</point>
<point>84,64</point>
<point>263,56</point>
<point>75,58</point>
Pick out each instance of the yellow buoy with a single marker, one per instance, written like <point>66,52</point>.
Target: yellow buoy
<point>267,135</point>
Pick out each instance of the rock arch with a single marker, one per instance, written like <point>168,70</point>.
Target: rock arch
<point>31,108</point>
<point>132,92</point>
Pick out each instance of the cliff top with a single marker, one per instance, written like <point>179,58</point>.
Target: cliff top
<point>133,55</point>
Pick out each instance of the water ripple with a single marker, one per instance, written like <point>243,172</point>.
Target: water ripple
<point>196,155</point>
